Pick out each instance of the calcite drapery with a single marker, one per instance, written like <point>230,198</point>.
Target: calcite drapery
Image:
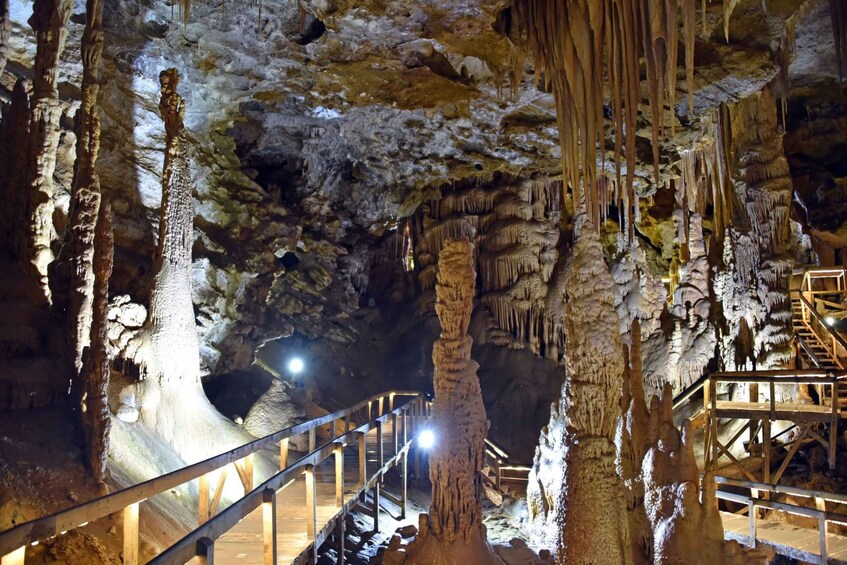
<point>578,509</point>
<point>49,21</point>
<point>453,531</point>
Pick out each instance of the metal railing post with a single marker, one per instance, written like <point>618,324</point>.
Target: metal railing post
<point>379,455</point>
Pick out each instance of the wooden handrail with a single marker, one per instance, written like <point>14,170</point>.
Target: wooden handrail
<point>812,355</point>
<point>683,396</point>
<point>782,489</point>
<point>187,548</point>
<point>835,335</point>
<point>76,516</point>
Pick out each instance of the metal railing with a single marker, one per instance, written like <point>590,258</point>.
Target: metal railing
<point>13,542</point>
<point>754,501</point>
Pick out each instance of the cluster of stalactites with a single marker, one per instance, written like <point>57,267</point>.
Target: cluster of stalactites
<point>589,47</point>
<point>515,228</point>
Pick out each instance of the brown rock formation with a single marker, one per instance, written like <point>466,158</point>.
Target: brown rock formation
<point>49,21</point>
<point>453,531</point>
<point>85,199</point>
<point>15,130</point>
<point>5,30</point>
<point>96,367</point>
<point>580,514</point>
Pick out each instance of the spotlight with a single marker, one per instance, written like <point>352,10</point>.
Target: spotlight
<point>830,320</point>
<point>295,365</point>
<point>426,439</point>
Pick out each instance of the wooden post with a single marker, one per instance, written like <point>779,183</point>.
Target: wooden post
<point>269,526</point>
<point>347,423</point>
<point>311,502</point>
<point>391,402</point>
<point>499,477</point>
<point>766,450</point>
<point>754,397</point>
<point>394,433</point>
<point>339,538</point>
<point>379,455</point>
<point>332,430</point>
<point>772,386</point>
<point>405,418</point>
<point>245,472</point>
<point>379,406</point>
<point>205,552</point>
<point>312,439</point>
<point>822,529</point>
<point>714,396</point>
<point>376,506</point>
<point>339,475</point>
<point>17,557</point>
<point>751,511</point>
<point>363,461</point>
<point>131,534</point>
<point>203,501</point>
<point>370,408</point>
<point>707,423</point>
<point>283,454</point>
<point>833,424</point>
<point>403,493</point>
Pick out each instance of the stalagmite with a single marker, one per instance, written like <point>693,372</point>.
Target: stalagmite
<point>584,522</point>
<point>453,531</point>
<point>49,21</point>
<point>85,202</point>
<point>96,367</point>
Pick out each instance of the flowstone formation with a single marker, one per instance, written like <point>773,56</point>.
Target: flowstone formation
<point>575,494</point>
<point>452,532</point>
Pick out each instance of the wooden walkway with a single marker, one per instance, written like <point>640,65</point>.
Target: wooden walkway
<point>243,544</point>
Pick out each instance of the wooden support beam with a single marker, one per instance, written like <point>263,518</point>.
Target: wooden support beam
<point>380,457</point>
<point>791,452</point>
<point>722,448</point>
<point>391,402</point>
<point>311,504</point>
<point>713,395</point>
<point>332,430</point>
<point>766,450</point>
<point>339,538</point>
<point>376,506</point>
<point>244,468</point>
<point>833,426</point>
<point>403,492</point>
<point>17,557</point>
<point>339,475</point>
<point>312,439</point>
<point>379,406</point>
<point>205,552</point>
<point>130,534</point>
<point>394,433</point>
<point>363,460</point>
<point>283,454</point>
<point>269,548</point>
<point>213,509</point>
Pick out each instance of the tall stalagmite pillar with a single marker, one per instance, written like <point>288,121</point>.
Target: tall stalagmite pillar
<point>577,508</point>
<point>453,532</point>
<point>49,21</point>
<point>96,369</point>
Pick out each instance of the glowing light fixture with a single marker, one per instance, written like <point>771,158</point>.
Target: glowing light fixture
<point>830,320</point>
<point>296,365</point>
<point>426,439</point>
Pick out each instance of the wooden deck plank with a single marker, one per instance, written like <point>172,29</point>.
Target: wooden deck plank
<point>243,544</point>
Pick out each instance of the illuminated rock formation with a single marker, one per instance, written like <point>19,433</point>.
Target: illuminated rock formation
<point>514,227</point>
<point>579,513</point>
<point>453,531</point>
<point>96,368</point>
<point>49,21</point>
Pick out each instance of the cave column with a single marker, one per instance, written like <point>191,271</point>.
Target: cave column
<point>49,21</point>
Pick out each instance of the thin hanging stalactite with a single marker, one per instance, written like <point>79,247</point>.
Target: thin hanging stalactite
<point>586,47</point>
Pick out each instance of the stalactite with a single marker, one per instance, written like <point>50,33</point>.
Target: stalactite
<point>96,371</point>
<point>49,21</point>
<point>588,46</point>
<point>452,532</point>
<point>85,198</point>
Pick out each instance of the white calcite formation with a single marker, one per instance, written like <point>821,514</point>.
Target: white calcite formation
<point>576,505</point>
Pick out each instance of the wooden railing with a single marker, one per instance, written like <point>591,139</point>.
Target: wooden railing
<point>497,459</point>
<point>760,497</point>
<point>13,542</point>
<point>834,343</point>
<point>201,542</point>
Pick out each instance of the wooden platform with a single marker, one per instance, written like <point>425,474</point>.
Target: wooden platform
<point>243,544</point>
<point>782,411</point>
<point>789,540</point>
